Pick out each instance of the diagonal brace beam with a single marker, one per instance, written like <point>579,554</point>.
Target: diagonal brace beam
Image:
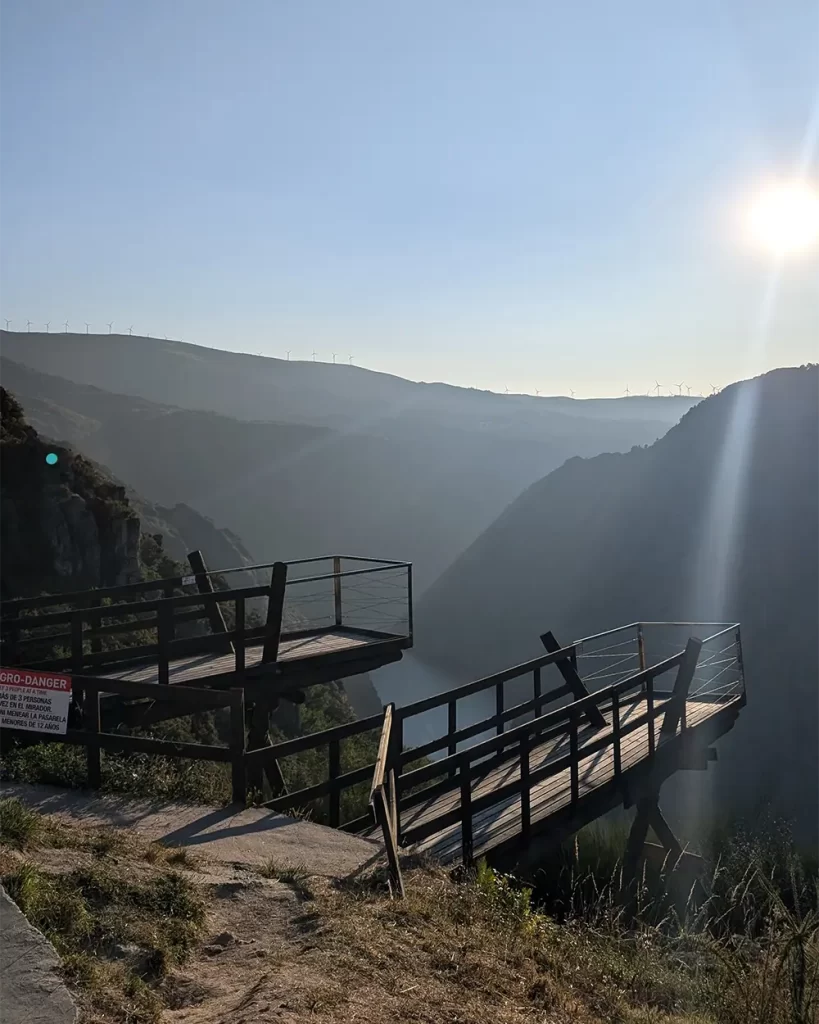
<point>682,684</point>
<point>573,680</point>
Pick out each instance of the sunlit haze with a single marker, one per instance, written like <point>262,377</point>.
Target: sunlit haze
<point>530,196</point>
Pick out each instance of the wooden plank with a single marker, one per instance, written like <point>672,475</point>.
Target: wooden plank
<point>573,680</point>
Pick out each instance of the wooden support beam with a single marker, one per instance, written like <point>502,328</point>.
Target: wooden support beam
<point>204,586</point>
<point>682,684</point>
<point>258,737</point>
<point>573,680</point>
<point>275,610</point>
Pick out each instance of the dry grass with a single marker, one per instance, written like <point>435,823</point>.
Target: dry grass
<point>209,944</point>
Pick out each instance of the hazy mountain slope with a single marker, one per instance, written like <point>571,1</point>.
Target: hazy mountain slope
<point>249,387</point>
<point>417,491</point>
<point>717,520</point>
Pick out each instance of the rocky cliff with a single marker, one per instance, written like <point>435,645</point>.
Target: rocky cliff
<point>65,526</point>
<point>68,524</point>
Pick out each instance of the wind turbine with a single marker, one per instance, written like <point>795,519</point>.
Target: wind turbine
<point>288,354</point>
<point>506,391</point>
<point>627,393</point>
<point>350,360</point>
<point>110,325</point>
<point>714,389</point>
<point>314,355</point>
<point>537,393</point>
<point>130,329</point>
<point>572,392</point>
<point>65,325</point>
<point>28,325</point>
<point>334,359</point>
<point>688,389</point>
<point>48,324</point>
<point>7,323</point>
<point>87,325</point>
<point>679,388</point>
<point>657,386</point>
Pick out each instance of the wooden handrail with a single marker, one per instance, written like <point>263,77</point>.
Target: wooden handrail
<point>385,806</point>
<point>383,749</point>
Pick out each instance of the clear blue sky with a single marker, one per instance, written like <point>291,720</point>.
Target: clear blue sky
<point>522,194</point>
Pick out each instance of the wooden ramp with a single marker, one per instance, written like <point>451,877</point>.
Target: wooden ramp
<point>623,726</point>
<point>501,823</point>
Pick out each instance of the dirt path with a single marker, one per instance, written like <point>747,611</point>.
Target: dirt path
<point>230,835</point>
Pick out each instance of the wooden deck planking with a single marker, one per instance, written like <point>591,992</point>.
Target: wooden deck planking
<point>201,666</point>
<point>503,821</point>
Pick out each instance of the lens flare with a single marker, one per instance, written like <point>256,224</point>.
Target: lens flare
<point>783,218</point>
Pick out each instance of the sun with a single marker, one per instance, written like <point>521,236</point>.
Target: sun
<point>783,218</point>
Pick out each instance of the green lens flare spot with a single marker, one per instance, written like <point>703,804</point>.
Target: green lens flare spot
<point>52,458</point>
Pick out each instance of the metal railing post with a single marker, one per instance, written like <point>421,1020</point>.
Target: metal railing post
<point>337,589</point>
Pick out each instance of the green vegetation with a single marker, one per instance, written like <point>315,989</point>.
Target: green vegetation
<point>119,933</point>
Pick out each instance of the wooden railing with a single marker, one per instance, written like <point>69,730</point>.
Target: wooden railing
<point>460,770</point>
<point>87,730</point>
<point>31,624</point>
<point>384,803</point>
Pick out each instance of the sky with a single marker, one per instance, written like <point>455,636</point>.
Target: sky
<point>514,194</point>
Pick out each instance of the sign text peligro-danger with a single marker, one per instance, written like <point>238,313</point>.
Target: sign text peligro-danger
<point>37,701</point>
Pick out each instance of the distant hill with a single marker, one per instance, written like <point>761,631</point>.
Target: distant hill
<point>249,387</point>
<point>406,481</point>
<point>717,520</point>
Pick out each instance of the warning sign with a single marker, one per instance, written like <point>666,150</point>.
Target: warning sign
<point>37,701</point>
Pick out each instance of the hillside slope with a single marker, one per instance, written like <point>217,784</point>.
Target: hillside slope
<point>72,525</point>
<point>405,488</point>
<point>718,520</point>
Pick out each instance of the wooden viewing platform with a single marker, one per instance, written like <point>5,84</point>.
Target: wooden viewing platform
<point>318,626</point>
<point>627,709</point>
<point>634,706</point>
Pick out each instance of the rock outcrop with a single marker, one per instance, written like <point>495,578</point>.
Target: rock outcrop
<point>65,526</point>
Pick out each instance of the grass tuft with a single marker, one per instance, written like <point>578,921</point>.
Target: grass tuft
<point>19,827</point>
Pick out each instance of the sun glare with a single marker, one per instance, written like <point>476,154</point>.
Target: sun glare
<point>783,218</point>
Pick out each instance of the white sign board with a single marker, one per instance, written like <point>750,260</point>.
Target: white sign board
<point>32,700</point>
<point>188,581</point>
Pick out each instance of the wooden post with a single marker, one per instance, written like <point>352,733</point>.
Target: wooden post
<point>239,644</point>
<point>615,715</point>
<point>76,643</point>
<point>499,709</point>
<point>652,741</point>
<point>96,622</point>
<point>675,708</point>
<point>382,816</point>
<point>574,755</point>
<point>333,772</point>
<point>573,680</point>
<point>275,611</point>
<point>451,729</point>
<point>91,716</point>
<point>164,634</point>
<point>466,811</point>
<point>641,646</point>
<point>337,589</point>
<point>631,860</point>
<point>536,688</point>
<point>525,795</point>
<point>237,746</point>
<point>204,586</point>
<point>392,792</point>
